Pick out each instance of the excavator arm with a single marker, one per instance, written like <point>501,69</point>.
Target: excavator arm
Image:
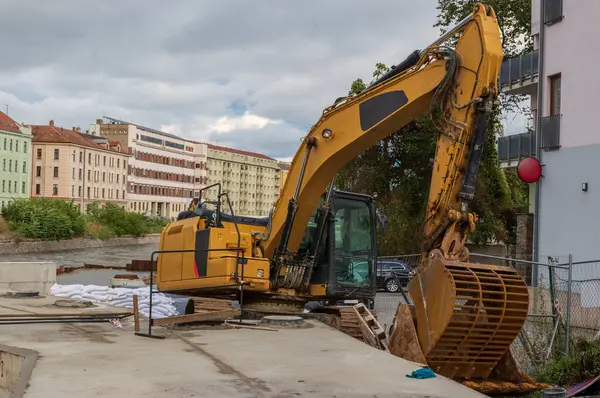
<point>458,85</point>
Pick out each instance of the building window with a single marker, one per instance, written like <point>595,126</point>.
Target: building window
<point>5,144</point>
<point>3,186</point>
<point>17,145</point>
<point>104,161</point>
<point>73,170</point>
<point>80,157</point>
<point>55,172</point>
<point>89,158</point>
<point>56,153</point>
<point>117,193</point>
<point>118,162</point>
<point>72,190</point>
<point>104,174</point>
<point>80,174</point>
<point>25,147</point>
<point>103,190</point>
<point>11,145</point>
<point>37,189</point>
<point>79,191</point>
<point>123,194</point>
<point>24,167</point>
<point>10,165</point>
<point>117,178</point>
<point>38,171</point>
<point>555,95</point>
<point>39,153</point>
<point>73,156</point>
<point>89,175</point>
<point>89,192</point>
<point>54,189</point>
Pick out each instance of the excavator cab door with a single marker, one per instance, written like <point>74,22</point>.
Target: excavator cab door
<point>351,246</point>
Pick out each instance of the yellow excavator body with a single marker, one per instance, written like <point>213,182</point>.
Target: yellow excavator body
<point>319,244</point>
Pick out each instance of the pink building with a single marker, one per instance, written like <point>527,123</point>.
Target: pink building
<point>566,139</point>
<point>69,165</point>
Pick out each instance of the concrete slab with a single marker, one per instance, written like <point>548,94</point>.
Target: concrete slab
<point>44,305</point>
<point>92,360</point>
<point>28,275</point>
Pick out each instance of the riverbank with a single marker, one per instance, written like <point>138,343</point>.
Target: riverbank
<point>16,246</point>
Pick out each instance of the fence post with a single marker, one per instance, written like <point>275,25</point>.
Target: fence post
<point>569,293</point>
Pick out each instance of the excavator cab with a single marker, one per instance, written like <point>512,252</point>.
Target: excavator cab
<point>346,253</point>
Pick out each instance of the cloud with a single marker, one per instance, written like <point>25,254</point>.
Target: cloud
<point>227,124</point>
<point>251,75</point>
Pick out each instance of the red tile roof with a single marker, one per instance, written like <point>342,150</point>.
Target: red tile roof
<point>53,134</point>
<point>7,124</point>
<point>222,148</point>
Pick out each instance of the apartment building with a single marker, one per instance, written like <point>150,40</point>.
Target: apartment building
<point>165,171</point>
<point>284,168</point>
<point>69,165</point>
<point>561,82</point>
<point>15,151</point>
<point>251,180</point>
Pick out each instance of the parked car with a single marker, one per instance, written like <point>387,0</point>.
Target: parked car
<point>392,275</point>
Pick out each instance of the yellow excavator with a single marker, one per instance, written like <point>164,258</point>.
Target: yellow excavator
<point>319,244</point>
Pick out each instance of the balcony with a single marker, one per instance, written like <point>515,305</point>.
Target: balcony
<point>553,11</point>
<point>513,148</point>
<point>520,75</point>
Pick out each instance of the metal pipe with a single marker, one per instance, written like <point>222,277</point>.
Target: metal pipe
<point>451,32</point>
<point>563,266</point>
<point>568,314</point>
<point>538,141</point>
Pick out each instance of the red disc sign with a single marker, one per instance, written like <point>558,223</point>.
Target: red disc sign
<point>529,170</point>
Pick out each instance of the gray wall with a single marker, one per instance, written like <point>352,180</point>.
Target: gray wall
<point>570,218</point>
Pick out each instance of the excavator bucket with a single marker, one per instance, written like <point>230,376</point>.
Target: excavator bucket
<point>464,320</point>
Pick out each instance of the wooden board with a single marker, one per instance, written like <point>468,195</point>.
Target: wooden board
<point>200,317</point>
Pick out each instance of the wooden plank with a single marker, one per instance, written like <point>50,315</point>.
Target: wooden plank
<point>204,316</point>
<point>136,313</point>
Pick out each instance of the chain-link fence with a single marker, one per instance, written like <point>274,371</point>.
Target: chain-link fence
<point>564,304</point>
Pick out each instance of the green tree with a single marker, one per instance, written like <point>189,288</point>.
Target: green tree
<point>398,169</point>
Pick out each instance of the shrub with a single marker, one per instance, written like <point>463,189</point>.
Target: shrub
<point>44,218</point>
<point>581,365</point>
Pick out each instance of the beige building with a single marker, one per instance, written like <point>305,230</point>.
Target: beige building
<point>251,180</point>
<point>283,173</point>
<point>69,165</point>
<point>165,171</point>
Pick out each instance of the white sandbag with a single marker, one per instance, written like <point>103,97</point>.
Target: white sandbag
<point>95,289</point>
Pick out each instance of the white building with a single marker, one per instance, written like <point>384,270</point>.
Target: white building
<point>165,171</point>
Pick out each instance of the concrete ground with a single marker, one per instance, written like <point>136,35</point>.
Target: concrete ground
<point>101,360</point>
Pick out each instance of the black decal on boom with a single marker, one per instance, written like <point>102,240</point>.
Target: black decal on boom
<point>378,108</point>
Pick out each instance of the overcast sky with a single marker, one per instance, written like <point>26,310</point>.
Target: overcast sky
<point>253,75</point>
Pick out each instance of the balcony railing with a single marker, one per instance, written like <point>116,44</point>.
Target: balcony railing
<point>513,148</point>
<point>551,132</point>
<point>516,147</point>
<point>553,11</point>
<point>518,70</point>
